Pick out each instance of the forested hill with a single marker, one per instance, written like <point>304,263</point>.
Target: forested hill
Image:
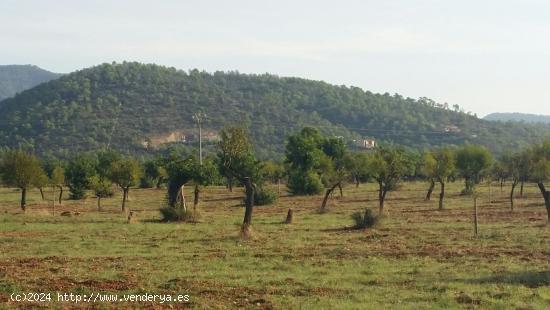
<point>17,78</point>
<point>518,117</point>
<point>130,104</point>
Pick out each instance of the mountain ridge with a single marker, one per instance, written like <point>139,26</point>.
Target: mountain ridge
<point>17,78</point>
<point>518,117</point>
<point>121,105</point>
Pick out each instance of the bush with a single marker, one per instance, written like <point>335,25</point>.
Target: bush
<point>176,214</point>
<point>300,183</point>
<point>264,197</point>
<point>76,193</point>
<point>366,220</point>
<point>146,182</point>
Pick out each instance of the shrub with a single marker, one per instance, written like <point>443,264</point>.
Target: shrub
<point>146,182</point>
<point>366,220</point>
<point>176,214</point>
<point>300,183</point>
<point>264,197</point>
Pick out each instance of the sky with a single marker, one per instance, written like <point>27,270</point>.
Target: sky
<point>484,55</point>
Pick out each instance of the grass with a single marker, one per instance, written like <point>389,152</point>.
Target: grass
<point>417,258</point>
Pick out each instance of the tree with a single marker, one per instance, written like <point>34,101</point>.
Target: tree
<point>333,167</point>
<point>540,170</point>
<point>428,164</point>
<point>57,179</point>
<point>439,165</point>
<point>472,161</point>
<point>80,169</point>
<point>101,188</point>
<point>304,154</point>
<point>55,172</point>
<point>511,166</point>
<point>275,172</point>
<point>180,171</point>
<point>41,182</point>
<point>238,161</point>
<point>23,171</point>
<point>125,173</point>
<point>499,170</point>
<point>358,167</point>
<point>154,174</point>
<point>203,175</point>
<point>387,166</point>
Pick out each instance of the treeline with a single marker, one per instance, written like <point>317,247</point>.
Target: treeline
<point>122,105</point>
<point>313,163</point>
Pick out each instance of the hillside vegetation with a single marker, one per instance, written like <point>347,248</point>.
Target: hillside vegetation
<point>518,117</point>
<point>125,105</point>
<point>17,78</point>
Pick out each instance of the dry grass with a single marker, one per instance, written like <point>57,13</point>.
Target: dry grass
<point>418,257</point>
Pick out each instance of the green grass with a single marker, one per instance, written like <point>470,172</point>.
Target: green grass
<point>417,258</point>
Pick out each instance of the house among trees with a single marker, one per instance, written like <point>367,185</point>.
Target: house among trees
<point>365,143</point>
<point>452,128</point>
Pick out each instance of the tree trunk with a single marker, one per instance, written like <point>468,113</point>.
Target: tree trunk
<point>490,193</point>
<point>289,217</point>
<point>546,196</point>
<point>196,198</point>
<point>42,193</point>
<point>441,194</point>
<point>124,197</point>
<point>514,184</point>
<point>249,202</point>
<point>430,190</point>
<point>475,216</point>
<point>60,193</point>
<point>357,182</point>
<point>521,189</point>
<point>230,184</point>
<point>469,187</point>
<point>327,194</point>
<point>340,188</point>
<point>98,203</point>
<point>23,199</point>
<point>501,185</point>
<point>381,197</point>
<point>53,200</point>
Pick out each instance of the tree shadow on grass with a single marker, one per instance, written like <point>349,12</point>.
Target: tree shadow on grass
<point>532,279</point>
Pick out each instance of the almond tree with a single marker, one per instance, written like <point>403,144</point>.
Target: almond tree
<point>472,161</point>
<point>439,165</point>
<point>387,166</point>
<point>23,171</point>
<point>540,171</point>
<point>334,170</point>
<point>237,160</point>
<point>125,173</point>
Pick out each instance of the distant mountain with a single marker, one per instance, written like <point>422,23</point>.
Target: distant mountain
<point>518,117</point>
<point>139,107</point>
<point>17,78</point>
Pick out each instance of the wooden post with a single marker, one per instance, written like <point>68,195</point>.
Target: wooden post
<point>490,194</point>
<point>289,217</point>
<point>53,200</point>
<point>475,215</point>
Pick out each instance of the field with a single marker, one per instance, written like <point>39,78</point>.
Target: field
<point>416,258</point>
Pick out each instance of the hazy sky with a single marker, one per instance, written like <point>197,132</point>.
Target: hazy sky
<point>483,55</point>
